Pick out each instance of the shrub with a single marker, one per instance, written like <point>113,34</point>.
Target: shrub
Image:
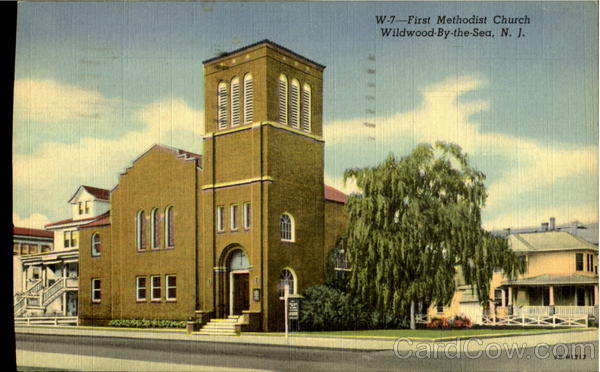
<point>147,323</point>
<point>329,309</point>
<point>438,323</point>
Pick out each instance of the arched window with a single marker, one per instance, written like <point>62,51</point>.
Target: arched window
<point>140,230</point>
<point>235,101</point>
<point>169,234</point>
<point>248,99</point>
<point>222,106</point>
<point>286,226</point>
<point>295,104</point>
<point>95,244</point>
<point>306,107</point>
<point>287,277</point>
<point>283,100</point>
<point>155,228</point>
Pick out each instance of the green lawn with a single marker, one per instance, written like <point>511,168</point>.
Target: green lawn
<point>426,333</point>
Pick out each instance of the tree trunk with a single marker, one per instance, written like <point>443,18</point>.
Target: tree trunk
<point>412,315</point>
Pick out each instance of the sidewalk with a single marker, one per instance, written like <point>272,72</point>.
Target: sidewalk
<point>327,342</point>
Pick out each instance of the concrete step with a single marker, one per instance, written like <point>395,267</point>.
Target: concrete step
<point>218,333</point>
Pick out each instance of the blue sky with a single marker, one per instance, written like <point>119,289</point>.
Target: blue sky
<point>97,83</point>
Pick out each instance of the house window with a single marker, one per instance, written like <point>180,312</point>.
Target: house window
<point>220,218</point>
<point>579,261</point>
<point>523,260</point>
<point>46,248</point>
<point>222,106</point>
<point>95,244</point>
<point>439,307</point>
<point>286,226</point>
<point>248,99</point>
<point>498,297</point>
<point>140,230</point>
<point>235,101</point>
<point>283,100</point>
<point>74,238</point>
<point>306,107</point>
<point>295,104</point>
<point>587,262</point>
<point>16,249</point>
<point>155,228</point>
<point>341,261</point>
<point>287,277</point>
<point>80,207</point>
<point>140,288</point>
<point>234,217</point>
<point>171,287</point>
<point>247,216</point>
<point>95,290</point>
<point>156,288</point>
<point>87,206</point>
<point>35,273</point>
<point>24,249</point>
<point>67,238</point>
<point>169,234</point>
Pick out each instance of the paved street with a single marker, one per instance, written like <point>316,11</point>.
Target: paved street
<point>115,353</point>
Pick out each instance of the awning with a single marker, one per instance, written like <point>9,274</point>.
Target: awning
<point>558,280</point>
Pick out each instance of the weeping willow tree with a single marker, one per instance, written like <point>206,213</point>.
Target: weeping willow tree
<point>416,220</point>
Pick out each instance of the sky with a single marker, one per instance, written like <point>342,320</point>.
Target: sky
<point>96,84</point>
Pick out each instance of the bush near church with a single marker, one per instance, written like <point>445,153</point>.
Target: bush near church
<point>147,323</point>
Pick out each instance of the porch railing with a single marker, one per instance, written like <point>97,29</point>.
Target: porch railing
<point>552,321</point>
<point>591,311</point>
<point>56,320</point>
<point>52,290</point>
<point>532,310</point>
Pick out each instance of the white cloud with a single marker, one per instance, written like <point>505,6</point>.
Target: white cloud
<point>34,221</point>
<point>443,117</point>
<point>55,170</point>
<point>50,101</point>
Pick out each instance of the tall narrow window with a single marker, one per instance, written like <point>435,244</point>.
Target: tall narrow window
<point>283,100</point>
<point>579,261</point>
<point>306,107</point>
<point>222,106</point>
<point>140,230</point>
<point>67,238</point>
<point>286,225</point>
<point>155,294</point>
<point>235,101</point>
<point>295,104</point>
<point>169,233</point>
<point>220,218</point>
<point>171,287</point>
<point>233,215</point>
<point>87,206</point>
<point>95,244</point>
<point>248,99</point>
<point>80,207</point>
<point>96,290</point>
<point>155,228</point>
<point>74,239</point>
<point>247,216</point>
<point>140,288</point>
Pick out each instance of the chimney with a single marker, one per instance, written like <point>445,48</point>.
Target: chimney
<point>552,223</point>
<point>544,226</point>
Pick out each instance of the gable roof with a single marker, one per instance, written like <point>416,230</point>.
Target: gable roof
<point>335,195</point>
<point>32,232</point>
<point>96,192</point>
<point>548,241</point>
<point>68,220</point>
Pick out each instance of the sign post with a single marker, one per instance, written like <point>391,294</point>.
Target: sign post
<point>285,299</point>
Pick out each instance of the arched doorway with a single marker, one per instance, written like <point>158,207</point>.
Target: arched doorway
<point>238,267</point>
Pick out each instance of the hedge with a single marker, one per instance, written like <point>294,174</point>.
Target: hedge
<point>147,323</point>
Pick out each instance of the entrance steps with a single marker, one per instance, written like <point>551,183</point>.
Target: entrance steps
<point>222,327</point>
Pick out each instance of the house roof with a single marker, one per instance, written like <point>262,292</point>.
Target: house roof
<point>32,232</point>
<point>548,241</point>
<point>96,192</point>
<point>553,280</point>
<point>70,220</point>
<point>263,42</point>
<point>102,220</point>
<point>335,195</point>
<point>469,295</point>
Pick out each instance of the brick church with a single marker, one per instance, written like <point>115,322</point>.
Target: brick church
<point>220,234</point>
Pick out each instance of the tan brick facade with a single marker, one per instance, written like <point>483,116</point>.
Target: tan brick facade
<point>272,167</point>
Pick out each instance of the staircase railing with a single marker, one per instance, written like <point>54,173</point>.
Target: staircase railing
<point>19,306</point>
<point>51,291</point>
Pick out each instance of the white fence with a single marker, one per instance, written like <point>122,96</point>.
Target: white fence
<point>553,321</point>
<point>57,320</point>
